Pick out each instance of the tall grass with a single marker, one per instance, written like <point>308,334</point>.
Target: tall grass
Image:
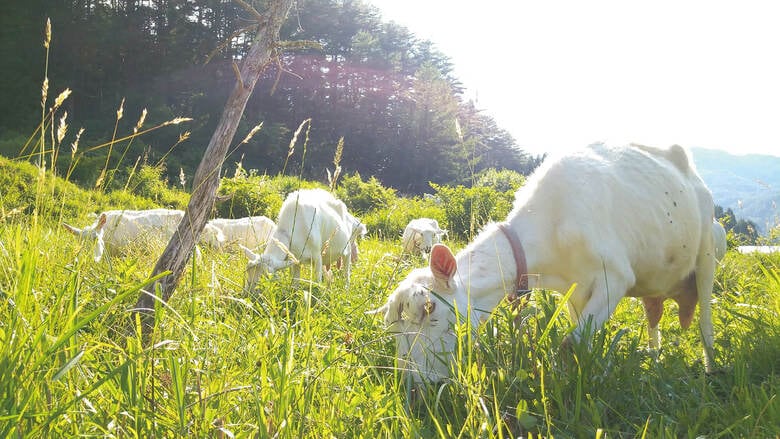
<point>305,361</point>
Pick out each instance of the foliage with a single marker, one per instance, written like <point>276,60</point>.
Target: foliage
<point>468,209</point>
<point>501,180</point>
<point>744,231</point>
<point>62,199</point>
<point>391,96</point>
<point>364,196</point>
<point>252,195</point>
<point>150,182</point>
<point>247,196</point>
<point>389,222</point>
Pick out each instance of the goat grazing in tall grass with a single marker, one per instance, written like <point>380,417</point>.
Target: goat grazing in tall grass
<point>313,226</point>
<point>616,221</point>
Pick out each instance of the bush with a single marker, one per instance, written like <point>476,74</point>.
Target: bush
<point>284,184</point>
<point>468,209</point>
<point>504,180</point>
<point>362,197</point>
<point>149,182</point>
<point>389,222</point>
<point>60,199</point>
<point>248,196</point>
<point>252,195</point>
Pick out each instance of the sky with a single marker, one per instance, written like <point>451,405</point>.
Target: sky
<point>562,74</point>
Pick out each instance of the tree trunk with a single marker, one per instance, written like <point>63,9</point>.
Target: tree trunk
<point>207,176</point>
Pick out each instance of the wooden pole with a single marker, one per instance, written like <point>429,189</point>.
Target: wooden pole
<point>206,181</point>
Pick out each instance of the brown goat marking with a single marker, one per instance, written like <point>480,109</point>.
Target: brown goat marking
<point>654,309</point>
<point>687,300</point>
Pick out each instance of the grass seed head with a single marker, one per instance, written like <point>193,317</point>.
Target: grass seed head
<point>61,98</point>
<point>44,91</point>
<point>75,145</point>
<point>47,38</point>
<point>252,132</point>
<point>62,128</point>
<point>140,121</point>
<point>121,110</point>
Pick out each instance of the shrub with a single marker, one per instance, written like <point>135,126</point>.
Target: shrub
<point>61,199</point>
<point>389,222</point>
<point>149,182</point>
<point>503,180</point>
<point>251,194</point>
<point>284,184</point>
<point>248,196</point>
<point>364,196</point>
<point>468,209</point>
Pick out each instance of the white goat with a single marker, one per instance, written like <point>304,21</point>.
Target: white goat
<point>312,226</point>
<point>250,232</point>
<point>628,221</point>
<point>115,230</point>
<point>420,235</point>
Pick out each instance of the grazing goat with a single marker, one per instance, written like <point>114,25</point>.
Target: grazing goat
<point>312,226</point>
<point>420,235</point>
<point>616,221</point>
<point>250,232</point>
<point>115,230</point>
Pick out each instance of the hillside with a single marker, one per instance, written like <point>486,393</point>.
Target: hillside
<point>752,179</point>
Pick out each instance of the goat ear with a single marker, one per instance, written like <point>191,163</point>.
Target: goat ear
<point>101,221</point>
<point>72,229</point>
<point>391,310</point>
<point>443,264</point>
<point>249,253</point>
<point>381,310</point>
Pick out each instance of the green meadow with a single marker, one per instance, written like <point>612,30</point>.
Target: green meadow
<point>305,360</point>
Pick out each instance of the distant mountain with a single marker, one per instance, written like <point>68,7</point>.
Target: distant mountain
<point>748,184</point>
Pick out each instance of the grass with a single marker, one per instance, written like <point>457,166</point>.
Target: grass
<point>307,361</point>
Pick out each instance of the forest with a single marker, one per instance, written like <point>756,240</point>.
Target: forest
<point>392,97</point>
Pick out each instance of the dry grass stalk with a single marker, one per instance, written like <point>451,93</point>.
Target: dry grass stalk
<point>140,122</point>
<point>252,132</point>
<point>62,128</point>
<point>294,139</point>
<point>61,98</point>
<point>47,39</point>
<point>333,179</point>
<point>74,147</point>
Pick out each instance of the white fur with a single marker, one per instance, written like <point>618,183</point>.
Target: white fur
<point>250,232</point>
<point>313,226</point>
<point>420,235</point>
<point>615,221</point>
<point>719,236</point>
<point>115,230</point>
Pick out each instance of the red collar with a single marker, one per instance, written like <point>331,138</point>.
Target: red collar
<point>519,254</point>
